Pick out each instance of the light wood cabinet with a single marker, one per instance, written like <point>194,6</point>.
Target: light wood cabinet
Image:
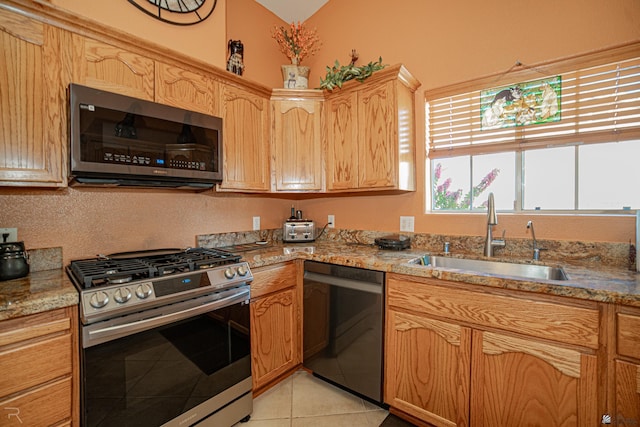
<point>276,343</point>
<point>457,357</point>
<point>32,94</point>
<point>626,375</point>
<point>371,133</point>
<point>297,140</point>
<point>427,368</point>
<point>245,117</point>
<point>38,358</point>
<point>111,68</point>
<point>522,381</point>
<point>182,88</point>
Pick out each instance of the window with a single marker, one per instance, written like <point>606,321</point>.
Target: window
<point>586,161</point>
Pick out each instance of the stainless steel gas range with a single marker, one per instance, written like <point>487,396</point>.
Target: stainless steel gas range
<point>164,338</point>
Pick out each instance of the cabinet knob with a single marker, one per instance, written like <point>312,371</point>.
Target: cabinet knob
<point>606,419</point>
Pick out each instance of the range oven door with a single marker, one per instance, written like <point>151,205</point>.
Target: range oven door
<point>169,365</point>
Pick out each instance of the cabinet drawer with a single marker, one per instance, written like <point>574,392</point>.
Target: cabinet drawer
<point>273,278</point>
<point>628,335</point>
<point>544,319</point>
<point>35,363</point>
<point>43,406</point>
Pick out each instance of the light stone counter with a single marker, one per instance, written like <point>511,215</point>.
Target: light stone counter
<point>614,284</point>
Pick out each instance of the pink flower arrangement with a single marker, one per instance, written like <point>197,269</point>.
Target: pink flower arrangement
<point>296,42</point>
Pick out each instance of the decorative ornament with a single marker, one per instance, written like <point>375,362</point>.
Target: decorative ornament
<point>296,42</point>
<point>177,12</point>
<point>235,63</point>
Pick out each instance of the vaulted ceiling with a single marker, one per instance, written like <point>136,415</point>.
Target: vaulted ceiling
<point>293,10</point>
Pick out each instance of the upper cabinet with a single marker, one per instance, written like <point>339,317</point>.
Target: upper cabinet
<point>114,69</point>
<point>186,89</point>
<point>297,140</point>
<point>245,117</point>
<point>371,133</point>
<point>32,93</point>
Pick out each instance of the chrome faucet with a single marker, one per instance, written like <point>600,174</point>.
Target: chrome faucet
<point>492,219</point>
<point>536,249</point>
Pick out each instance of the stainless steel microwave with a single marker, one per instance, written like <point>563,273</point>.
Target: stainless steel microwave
<point>117,140</point>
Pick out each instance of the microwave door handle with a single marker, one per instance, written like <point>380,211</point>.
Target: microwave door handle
<point>344,283</point>
<point>118,331</point>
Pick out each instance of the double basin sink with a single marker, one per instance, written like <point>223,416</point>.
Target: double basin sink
<point>525,271</point>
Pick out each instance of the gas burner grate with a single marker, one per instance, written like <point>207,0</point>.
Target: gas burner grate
<point>97,272</point>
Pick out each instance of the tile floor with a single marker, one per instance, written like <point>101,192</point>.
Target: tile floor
<point>305,401</point>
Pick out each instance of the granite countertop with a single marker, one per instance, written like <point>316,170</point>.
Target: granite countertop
<point>39,291</point>
<point>613,285</point>
<point>51,289</point>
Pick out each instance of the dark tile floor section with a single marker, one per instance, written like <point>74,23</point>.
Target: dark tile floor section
<point>393,421</point>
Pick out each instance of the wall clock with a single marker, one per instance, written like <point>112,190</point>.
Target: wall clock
<point>177,12</point>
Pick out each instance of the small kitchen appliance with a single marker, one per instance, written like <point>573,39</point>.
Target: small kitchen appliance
<point>297,229</point>
<point>164,337</point>
<point>394,242</point>
<point>14,260</point>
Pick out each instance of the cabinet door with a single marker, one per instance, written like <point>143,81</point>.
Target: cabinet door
<point>32,95</point>
<point>297,145</point>
<point>246,140</point>
<point>342,142</point>
<point>378,140</point>
<point>627,394</point>
<point>428,368</point>
<point>274,336</point>
<point>103,66</point>
<point>518,382</point>
<point>182,88</point>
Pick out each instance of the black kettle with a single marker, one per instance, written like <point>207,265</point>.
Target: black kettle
<point>14,260</point>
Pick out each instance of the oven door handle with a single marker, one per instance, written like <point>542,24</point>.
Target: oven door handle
<point>98,336</point>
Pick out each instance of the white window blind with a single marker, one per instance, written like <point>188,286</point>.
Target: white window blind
<point>598,104</point>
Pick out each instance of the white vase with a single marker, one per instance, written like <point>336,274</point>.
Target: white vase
<point>295,76</point>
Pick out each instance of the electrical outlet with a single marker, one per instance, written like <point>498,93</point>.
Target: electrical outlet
<point>12,234</point>
<point>406,223</point>
<point>331,219</point>
<point>256,223</point>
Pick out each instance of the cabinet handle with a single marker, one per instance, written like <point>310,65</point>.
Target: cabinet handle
<point>606,419</point>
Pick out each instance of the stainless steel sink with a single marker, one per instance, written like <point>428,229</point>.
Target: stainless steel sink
<point>527,271</point>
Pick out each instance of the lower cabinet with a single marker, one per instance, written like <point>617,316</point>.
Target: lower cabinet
<point>428,368</point>
<point>456,357</point>
<point>276,343</point>
<point>626,385</point>
<point>38,361</point>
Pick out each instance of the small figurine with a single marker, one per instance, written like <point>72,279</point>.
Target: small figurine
<point>236,56</point>
<point>354,57</point>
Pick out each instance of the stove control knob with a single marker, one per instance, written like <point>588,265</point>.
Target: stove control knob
<point>122,295</point>
<point>99,299</point>
<point>242,271</point>
<point>229,273</point>
<point>143,291</point>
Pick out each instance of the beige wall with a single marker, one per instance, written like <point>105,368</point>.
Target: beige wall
<point>442,43</point>
<point>205,40</point>
<point>439,43</point>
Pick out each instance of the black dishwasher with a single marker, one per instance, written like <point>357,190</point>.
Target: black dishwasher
<point>343,327</point>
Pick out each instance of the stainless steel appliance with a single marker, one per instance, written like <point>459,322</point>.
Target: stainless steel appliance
<point>164,338</point>
<point>298,230</point>
<point>343,327</point>
<point>119,140</point>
